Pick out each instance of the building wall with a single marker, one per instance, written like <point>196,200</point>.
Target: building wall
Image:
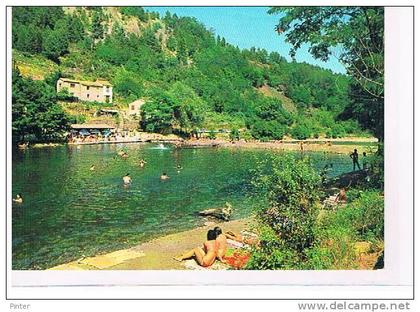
<point>85,92</point>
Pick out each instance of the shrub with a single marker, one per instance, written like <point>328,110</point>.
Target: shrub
<point>300,132</point>
<point>271,255</point>
<point>338,131</point>
<point>234,134</point>
<point>267,130</point>
<point>290,186</point>
<point>337,232</point>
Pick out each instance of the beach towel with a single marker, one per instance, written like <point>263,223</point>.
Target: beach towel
<point>235,244</point>
<point>237,259</point>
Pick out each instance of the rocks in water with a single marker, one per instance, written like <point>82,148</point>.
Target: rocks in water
<point>223,213</point>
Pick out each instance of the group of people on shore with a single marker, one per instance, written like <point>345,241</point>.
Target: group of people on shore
<point>355,158</point>
<point>215,247</point>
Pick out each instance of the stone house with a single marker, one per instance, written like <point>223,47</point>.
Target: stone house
<point>91,91</point>
<point>134,107</point>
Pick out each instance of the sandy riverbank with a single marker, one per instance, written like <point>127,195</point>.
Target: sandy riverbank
<point>156,254</point>
<point>313,145</point>
<point>340,146</point>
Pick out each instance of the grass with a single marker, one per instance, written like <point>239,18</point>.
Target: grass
<point>36,67</point>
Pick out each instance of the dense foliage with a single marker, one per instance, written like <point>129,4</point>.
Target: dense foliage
<point>337,232</point>
<point>355,35</point>
<point>202,75</point>
<point>290,186</point>
<point>35,112</point>
<point>296,232</point>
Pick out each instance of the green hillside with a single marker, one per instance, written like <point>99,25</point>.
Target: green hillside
<point>191,78</point>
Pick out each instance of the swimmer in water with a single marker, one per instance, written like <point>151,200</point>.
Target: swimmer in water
<point>142,163</point>
<point>164,176</point>
<point>18,199</point>
<point>178,168</point>
<point>127,179</point>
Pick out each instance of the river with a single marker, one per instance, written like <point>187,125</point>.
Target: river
<point>70,211</point>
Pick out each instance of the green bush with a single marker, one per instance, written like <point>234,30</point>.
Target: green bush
<point>300,132</point>
<point>271,255</point>
<point>337,232</point>
<point>290,186</point>
<point>267,130</point>
<point>234,134</point>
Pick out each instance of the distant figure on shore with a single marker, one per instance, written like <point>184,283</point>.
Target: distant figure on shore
<point>206,255</point>
<point>365,161</point>
<point>355,157</point>
<point>301,146</point>
<point>18,199</point>
<point>164,176</point>
<point>92,168</point>
<point>127,179</point>
<point>142,163</point>
<point>341,197</point>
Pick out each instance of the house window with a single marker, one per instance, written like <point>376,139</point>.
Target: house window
<point>72,85</point>
<point>87,95</point>
<point>97,96</point>
<point>59,84</point>
<point>87,87</point>
<point>132,107</point>
<point>107,89</point>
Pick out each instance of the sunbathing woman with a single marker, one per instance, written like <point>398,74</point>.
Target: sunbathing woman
<point>251,240</point>
<point>204,256</point>
<point>221,242</point>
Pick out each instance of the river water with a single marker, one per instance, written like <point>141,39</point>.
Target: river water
<point>70,210</point>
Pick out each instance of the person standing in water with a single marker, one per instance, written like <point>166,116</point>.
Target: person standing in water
<point>365,161</point>
<point>164,176</point>
<point>355,157</point>
<point>18,199</point>
<point>127,179</point>
<point>142,163</point>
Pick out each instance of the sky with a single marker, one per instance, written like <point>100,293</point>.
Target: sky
<point>246,27</point>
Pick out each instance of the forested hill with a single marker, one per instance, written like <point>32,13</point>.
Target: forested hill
<point>190,77</point>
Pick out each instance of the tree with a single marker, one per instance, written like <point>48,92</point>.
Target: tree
<point>98,29</point>
<point>27,38</point>
<point>55,43</point>
<point>157,114</point>
<point>355,35</point>
<point>35,112</point>
<point>188,107</point>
